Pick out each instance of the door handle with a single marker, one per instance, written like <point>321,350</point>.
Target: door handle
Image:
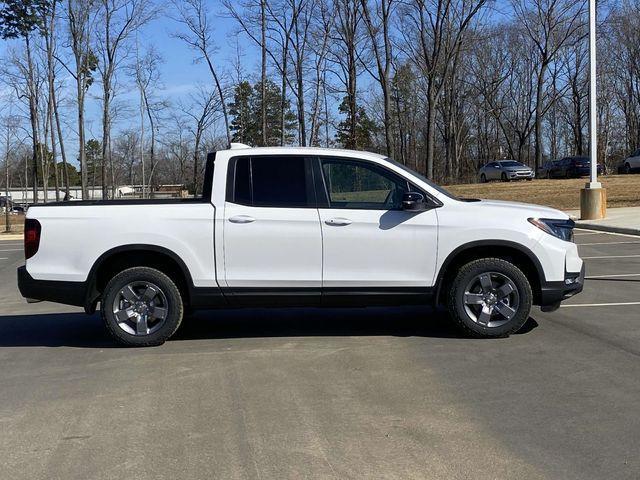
<point>242,219</point>
<point>338,222</point>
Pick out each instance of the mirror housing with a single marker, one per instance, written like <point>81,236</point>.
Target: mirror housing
<point>414,202</point>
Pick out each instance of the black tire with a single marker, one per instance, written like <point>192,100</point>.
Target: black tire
<point>504,177</point>
<point>483,178</point>
<point>627,168</point>
<point>496,268</point>
<point>168,300</point>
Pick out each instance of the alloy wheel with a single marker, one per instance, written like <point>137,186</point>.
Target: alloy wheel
<point>140,308</point>
<point>491,299</point>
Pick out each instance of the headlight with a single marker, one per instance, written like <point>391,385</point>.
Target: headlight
<point>562,229</point>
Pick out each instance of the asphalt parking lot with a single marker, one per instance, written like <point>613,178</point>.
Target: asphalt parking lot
<point>362,393</point>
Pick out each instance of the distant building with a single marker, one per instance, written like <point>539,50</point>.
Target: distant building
<point>20,196</point>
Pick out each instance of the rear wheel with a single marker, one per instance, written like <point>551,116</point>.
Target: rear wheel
<point>504,177</point>
<point>490,297</point>
<point>483,178</point>
<point>141,307</point>
<point>627,168</point>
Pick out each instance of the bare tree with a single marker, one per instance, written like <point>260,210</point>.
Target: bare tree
<point>80,16</point>
<point>120,19</point>
<point>550,24</point>
<point>201,111</point>
<point>378,25</point>
<point>433,35</point>
<point>194,15</point>
<point>252,13</point>
<point>147,74</point>
<point>347,44</point>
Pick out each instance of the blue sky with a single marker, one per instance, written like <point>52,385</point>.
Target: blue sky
<point>180,75</point>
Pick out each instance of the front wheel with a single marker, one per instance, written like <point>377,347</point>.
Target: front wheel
<point>504,177</point>
<point>141,307</point>
<point>490,297</point>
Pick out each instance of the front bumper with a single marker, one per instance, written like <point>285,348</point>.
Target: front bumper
<point>68,293</point>
<point>521,174</point>
<point>552,293</point>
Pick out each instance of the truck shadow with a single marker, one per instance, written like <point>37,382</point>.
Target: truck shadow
<point>86,331</point>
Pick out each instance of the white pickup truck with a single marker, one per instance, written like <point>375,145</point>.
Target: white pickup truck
<point>300,227</point>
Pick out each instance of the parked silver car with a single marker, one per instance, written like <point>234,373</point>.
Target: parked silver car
<point>505,170</point>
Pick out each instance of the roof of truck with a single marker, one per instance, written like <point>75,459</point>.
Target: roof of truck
<point>302,151</point>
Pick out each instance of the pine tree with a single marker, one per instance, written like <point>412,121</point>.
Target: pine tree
<point>246,111</point>
<point>365,129</point>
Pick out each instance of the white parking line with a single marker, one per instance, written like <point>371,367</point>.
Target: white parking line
<point>611,256</point>
<point>614,276</point>
<point>12,250</point>
<point>4,258</point>
<point>605,243</point>
<point>599,304</point>
<point>584,231</point>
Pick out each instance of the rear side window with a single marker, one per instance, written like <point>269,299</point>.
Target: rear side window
<point>272,181</point>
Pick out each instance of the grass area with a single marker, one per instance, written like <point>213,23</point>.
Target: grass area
<point>622,191</point>
<point>16,222</point>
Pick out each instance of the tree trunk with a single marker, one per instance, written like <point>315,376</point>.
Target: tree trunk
<point>538,123</point>
<point>33,117</point>
<point>62,151</point>
<point>263,74</point>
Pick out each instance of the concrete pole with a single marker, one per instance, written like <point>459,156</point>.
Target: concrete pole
<point>593,202</point>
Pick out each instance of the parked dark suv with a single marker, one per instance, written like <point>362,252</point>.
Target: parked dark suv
<point>573,167</point>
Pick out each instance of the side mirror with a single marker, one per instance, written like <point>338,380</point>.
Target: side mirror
<point>414,202</point>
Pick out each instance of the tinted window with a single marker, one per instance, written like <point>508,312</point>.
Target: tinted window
<point>242,187</point>
<point>272,182</point>
<point>279,182</point>
<point>512,163</point>
<point>360,185</point>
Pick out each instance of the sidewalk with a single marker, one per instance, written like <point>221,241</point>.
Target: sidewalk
<point>619,220</point>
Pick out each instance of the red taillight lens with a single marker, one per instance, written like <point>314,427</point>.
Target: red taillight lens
<point>32,231</point>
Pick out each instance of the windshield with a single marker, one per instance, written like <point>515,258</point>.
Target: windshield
<point>512,163</point>
<point>436,187</point>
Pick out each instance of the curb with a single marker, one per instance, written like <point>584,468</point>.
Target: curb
<point>11,236</point>
<point>608,228</point>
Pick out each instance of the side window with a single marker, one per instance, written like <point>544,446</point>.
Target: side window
<point>361,185</point>
<point>273,181</point>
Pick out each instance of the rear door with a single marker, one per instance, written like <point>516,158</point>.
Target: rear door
<point>272,237</point>
<point>370,243</point>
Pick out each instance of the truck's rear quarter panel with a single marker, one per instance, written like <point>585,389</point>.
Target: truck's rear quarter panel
<point>75,236</point>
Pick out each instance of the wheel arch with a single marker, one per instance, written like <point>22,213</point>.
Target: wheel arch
<point>518,254</point>
<point>122,257</point>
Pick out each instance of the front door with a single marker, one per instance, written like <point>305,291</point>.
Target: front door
<point>272,236</point>
<point>369,243</point>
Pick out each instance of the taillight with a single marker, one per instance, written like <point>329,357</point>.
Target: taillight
<point>32,231</point>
